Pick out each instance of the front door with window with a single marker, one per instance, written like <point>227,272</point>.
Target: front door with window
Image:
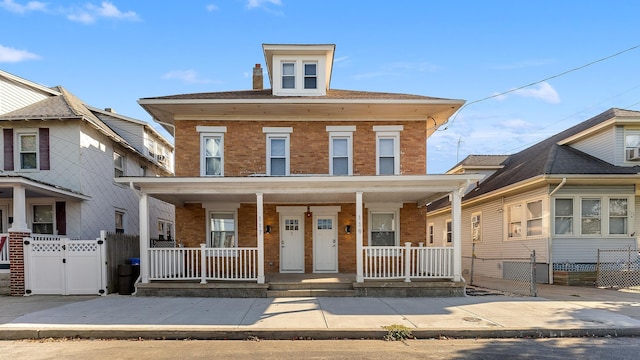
<point>291,244</point>
<point>325,244</point>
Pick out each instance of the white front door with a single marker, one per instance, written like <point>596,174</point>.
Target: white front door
<point>291,244</point>
<point>325,243</point>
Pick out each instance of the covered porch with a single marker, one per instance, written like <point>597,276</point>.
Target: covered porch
<point>340,235</point>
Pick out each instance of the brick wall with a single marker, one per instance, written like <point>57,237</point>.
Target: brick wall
<point>16,258</point>
<point>245,147</point>
<point>191,231</point>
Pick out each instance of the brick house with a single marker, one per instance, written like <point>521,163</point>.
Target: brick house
<point>298,179</point>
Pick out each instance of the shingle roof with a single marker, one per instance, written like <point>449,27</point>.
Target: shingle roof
<point>548,158</point>
<point>332,94</point>
<point>482,160</point>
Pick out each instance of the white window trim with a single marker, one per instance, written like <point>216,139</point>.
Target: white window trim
<point>287,155</point>
<point>384,210</point>
<point>341,135</point>
<point>124,216</point>
<point>431,234</point>
<point>17,165</point>
<point>226,210</point>
<point>395,135</point>
<point>604,215</point>
<point>203,160</point>
<point>30,217</point>
<point>124,163</point>
<point>445,232</point>
<point>524,219</point>
<point>299,61</point>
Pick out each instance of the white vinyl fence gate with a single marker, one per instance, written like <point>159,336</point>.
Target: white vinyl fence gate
<point>61,266</point>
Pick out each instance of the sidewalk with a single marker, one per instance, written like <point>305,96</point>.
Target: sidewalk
<point>559,311</point>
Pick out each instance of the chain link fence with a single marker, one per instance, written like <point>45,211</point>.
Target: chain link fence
<point>512,275</point>
<point>618,268</point>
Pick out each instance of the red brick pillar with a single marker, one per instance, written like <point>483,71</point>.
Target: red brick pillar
<point>16,260</point>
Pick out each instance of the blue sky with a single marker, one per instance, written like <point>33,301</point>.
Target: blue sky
<point>112,53</point>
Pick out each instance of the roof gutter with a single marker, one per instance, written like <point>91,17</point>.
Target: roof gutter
<point>564,181</point>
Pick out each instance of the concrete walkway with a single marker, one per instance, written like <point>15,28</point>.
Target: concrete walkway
<point>558,311</point>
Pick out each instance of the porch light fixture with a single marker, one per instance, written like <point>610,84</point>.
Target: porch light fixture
<point>268,229</point>
<point>347,229</point>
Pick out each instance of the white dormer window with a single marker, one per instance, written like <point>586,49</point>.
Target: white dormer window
<point>310,75</point>
<point>288,75</point>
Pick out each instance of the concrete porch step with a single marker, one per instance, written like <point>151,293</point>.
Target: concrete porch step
<point>310,286</point>
<point>312,293</point>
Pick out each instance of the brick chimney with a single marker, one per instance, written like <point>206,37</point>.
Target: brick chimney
<point>258,81</point>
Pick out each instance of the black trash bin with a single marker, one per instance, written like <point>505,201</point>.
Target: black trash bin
<point>125,284</point>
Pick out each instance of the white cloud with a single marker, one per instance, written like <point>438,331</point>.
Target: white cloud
<point>212,7</point>
<point>14,7</point>
<point>543,91</point>
<point>188,76</point>
<point>90,13</point>
<point>516,125</point>
<point>252,4</point>
<point>10,55</point>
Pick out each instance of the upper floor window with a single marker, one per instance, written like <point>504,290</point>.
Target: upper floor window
<point>211,150</point>
<point>288,75</point>
<point>277,151</point>
<point>341,150</point>
<point>26,149</point>
<point>387,149</point>
<point>632,145</point>
<point>310,76</point>
<point>118,164</point>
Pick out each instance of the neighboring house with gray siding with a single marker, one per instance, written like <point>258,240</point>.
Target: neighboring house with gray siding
<point>59,160</point>
<point>564,197</point>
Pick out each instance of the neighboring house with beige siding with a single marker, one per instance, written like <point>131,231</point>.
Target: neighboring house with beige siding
<point>59,160</point>
<point>564,197</point>
<point>302,178</point>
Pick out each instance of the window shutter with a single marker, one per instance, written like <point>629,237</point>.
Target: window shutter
<point>8,150</point>
<point>61,217</point>
<point>44,149</point>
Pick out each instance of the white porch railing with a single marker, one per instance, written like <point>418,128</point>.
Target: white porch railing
<point>406,262</point>
<point>203,264</point>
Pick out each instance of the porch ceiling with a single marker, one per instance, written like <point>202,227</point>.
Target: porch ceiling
<point>301,189</point>
<point>34,188</point>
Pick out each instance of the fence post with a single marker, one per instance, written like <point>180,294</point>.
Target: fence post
<point>598,275</point>
<point>473,259</point>
<point>407,262</point>
<point>203,264</point>
<point>534,290</point>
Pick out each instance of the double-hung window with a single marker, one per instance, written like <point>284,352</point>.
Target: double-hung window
<point>592,216</point>
<point>341,149</point>
<point>223,230</point>
<point>591,222</point>
<point>383,229</point>
<point>618,216</point>
<point>310,75</point>
<point>28,150</point>
<point>288,75</point>
<point>430,233</point>
<point>119,222</point>
<point>43,219</point>
<point>563,216</point>
<point>525,220</point>
<point>476,227</point>
<point>448,232</point>
<point>118,164</point>
<point>387,149</point>
<point>514,220</point>
<point>534,218</point>
<point>277,151</point>
<point>211,150</point>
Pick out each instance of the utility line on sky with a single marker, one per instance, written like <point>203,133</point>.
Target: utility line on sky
<point>449,123</point>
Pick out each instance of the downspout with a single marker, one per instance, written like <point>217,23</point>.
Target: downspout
<point>550,242</point>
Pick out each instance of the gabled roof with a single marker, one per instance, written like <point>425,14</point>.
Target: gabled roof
<point>549,157</point>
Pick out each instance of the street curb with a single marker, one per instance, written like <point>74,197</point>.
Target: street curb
<point>304,334</point>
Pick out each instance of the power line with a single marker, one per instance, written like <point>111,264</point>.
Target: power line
<point>449,123</point>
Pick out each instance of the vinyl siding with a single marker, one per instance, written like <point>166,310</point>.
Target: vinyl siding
<point>601,145</point>
<point>14,96</point>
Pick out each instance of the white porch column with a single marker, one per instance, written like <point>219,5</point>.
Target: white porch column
<point>359,255</point>
<point>144,237</point>
<point>19,210</point>
<point>456,229</point>
<point>260,231</point>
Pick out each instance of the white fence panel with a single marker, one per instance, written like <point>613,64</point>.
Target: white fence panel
<point>407,262</point>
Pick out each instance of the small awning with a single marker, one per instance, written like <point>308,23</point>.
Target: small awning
<point>36,188</point>
<point>420,189</point>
